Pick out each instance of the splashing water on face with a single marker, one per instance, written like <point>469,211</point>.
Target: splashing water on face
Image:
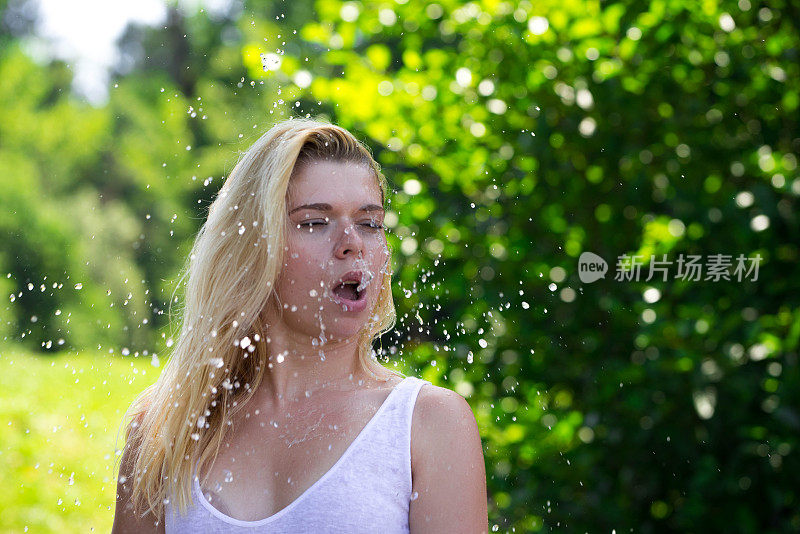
<point>367,276</point>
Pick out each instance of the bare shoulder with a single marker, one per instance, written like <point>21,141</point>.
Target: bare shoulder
<point>437,406</point>
<point>440,413</point>
<point>447,465</point>
<point>432,395</point>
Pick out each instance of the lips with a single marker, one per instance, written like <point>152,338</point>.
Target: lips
<point>350,291</point>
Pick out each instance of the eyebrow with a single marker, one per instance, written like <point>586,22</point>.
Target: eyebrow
<point>327,207</point>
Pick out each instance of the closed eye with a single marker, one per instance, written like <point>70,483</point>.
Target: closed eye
<point>311,224</point>
<point>371,225</point>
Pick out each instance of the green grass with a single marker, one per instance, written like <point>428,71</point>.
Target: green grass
<point>59,418</point>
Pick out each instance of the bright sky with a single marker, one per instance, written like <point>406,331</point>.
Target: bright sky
<point>83,33</point>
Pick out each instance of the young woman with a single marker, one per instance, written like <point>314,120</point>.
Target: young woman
<point>273,413</point>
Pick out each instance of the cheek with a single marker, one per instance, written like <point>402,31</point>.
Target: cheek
<point>292,272</point>
<point>379,266</point>
<point>383,256</point>
<point>303,270</point>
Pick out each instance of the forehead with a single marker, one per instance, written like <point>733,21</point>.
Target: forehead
<point>334,182</point>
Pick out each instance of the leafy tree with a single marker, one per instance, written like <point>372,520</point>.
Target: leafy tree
<point>517,136</point>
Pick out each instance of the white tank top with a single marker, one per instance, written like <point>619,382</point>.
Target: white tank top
<point>367,490</point>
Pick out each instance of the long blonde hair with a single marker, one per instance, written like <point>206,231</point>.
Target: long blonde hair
<point>181,420</point>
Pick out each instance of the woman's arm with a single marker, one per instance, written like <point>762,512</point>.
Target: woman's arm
<point>125,521</point>
<point>447,465</point>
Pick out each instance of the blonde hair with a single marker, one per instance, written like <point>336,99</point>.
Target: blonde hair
<point>181,420</point>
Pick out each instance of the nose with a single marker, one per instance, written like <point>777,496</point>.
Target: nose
<point>349,243</point>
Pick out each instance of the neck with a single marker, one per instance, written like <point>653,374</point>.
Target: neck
<point>299,366</point>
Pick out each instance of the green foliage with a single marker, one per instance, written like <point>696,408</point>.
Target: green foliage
<point>536,133</point>
<point>58,446</point>
<point>516,136</point>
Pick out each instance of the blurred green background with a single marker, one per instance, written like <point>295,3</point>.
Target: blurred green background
<point>516,136</point>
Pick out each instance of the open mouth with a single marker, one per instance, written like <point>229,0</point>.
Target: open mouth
<point>349,292</point>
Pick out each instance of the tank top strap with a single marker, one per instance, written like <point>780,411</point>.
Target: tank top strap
<point>386,441</point>
<point>409,391</point>
<point>400,403</point>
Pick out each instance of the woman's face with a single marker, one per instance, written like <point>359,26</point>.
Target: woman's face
<point>335,229</point>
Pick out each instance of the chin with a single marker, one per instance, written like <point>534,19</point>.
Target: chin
<point>341,332</point>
